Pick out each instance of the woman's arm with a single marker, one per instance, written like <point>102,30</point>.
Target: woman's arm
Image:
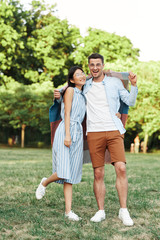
<point>68,97</point>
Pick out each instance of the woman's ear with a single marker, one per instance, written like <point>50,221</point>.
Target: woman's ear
<point>71,80</point>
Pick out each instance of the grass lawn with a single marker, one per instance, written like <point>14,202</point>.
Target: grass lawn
<point>24,217</point>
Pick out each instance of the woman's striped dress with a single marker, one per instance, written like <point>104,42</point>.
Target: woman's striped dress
<point>67,162</point>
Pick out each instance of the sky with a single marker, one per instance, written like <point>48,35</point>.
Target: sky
<point>138,20</point>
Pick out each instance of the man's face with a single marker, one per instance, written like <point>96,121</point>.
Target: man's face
<point>96,67</point>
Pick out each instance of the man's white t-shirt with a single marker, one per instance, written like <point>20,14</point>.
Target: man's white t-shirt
<point>99,118</point>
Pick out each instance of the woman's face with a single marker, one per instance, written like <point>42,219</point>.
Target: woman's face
<point>79,78</point>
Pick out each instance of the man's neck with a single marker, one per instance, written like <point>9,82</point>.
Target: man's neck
<point>99,79</point>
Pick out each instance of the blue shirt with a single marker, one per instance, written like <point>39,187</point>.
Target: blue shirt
<point>114,92</point>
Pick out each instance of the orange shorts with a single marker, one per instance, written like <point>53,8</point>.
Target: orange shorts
<point>99,141</point>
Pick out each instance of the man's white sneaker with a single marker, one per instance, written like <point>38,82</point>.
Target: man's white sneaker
<point>72,216</point>
<point>40,192</point>
<point>99,216</point>
<point>125,217</point>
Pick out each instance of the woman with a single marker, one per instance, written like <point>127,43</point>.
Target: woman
<point>67,151</point>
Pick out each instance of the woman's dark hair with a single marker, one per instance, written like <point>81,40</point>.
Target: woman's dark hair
<point>70,76</point>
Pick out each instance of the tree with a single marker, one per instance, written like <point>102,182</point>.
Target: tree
<point>110,45</point>
<point>11,43</point>
<point>144,116</point>
<point>147,108</point>
<point>53,41</point>
<point>23,106</point>
<point>34,44</point>
<point>36,51</point>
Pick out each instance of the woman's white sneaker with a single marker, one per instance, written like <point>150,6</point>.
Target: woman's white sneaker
<point>40,192</point>
<point>99,216</point>
<point>72,216</point>
<point>125,217</point>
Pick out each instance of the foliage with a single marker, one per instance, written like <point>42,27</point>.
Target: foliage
<point>28,105</point>
<point>36,51</point>
<point>144,116</point>
<point>11,43</point>
<point>52,42</point>
<point>111,46</point>
<point>147,109</point>
<point>34,44</point>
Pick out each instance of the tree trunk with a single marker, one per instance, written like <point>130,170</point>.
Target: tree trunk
<point>22,135</point>
<point>145,143</point>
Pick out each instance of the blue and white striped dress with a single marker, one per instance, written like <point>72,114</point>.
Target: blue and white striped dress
<point>67,162</point>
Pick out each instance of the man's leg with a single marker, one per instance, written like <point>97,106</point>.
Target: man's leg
<point>99,191</point>
<point>122,189</point>
<point>96,143</point>
<point>99,187</point>
<point>121,183</point>
<point>116,149</point>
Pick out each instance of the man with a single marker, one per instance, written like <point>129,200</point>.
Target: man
<point>105,130</point>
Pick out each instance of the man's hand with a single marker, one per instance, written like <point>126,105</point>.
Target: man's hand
<point>57,94</point>
<point>133,79</point>
<point>118,115</point>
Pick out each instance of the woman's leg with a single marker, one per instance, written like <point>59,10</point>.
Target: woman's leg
<point>40,191</point>
<point>67,196</point>
<point>67,191</point>
<point>51,179</point>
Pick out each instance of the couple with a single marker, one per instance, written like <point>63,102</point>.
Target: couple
<point>100,96</point>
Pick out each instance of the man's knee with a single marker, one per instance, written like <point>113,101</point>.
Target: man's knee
<point>99,173</point>
<point>120,168</point>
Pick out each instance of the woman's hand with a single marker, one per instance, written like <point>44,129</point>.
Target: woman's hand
<point>67,141</point>
<point>57,94</point>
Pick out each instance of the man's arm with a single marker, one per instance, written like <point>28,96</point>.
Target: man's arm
<point>123,76</point>
<point>120,75</point>
<point>126,97</point>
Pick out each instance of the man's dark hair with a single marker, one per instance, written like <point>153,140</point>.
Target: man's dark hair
<point>95,56</point>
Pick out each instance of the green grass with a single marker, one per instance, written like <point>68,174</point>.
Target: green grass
<point>23,217</point>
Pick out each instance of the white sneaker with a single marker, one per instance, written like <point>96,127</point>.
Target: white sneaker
<point>40,192</point>
<point>125,217</point>
<point>99,216</point>
<point>72,216</point>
